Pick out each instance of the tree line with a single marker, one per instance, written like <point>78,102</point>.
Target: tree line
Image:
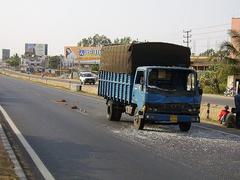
<point>101,40</point>
<point>224,62</point>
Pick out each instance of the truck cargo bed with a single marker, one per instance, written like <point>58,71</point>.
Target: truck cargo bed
<point>126,58</point>
<point>115,86</point>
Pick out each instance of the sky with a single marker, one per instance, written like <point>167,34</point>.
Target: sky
<point>60,23</point>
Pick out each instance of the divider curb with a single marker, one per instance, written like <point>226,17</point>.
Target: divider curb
<point>17,167</point>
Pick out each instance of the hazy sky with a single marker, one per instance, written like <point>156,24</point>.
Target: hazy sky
<point>64,22</point>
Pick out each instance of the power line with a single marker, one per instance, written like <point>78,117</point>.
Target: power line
<point>212,37</point>
<point>187,37</point>
<point>208,27</point>
<point>210,32</point>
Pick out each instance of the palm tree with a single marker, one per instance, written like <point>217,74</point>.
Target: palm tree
<point>232,48</point>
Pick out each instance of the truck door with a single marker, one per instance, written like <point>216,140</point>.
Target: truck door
<point>139,88</point>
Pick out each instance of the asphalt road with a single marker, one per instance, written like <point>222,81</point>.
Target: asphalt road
<point>82,144</point>
<point>216,99</point>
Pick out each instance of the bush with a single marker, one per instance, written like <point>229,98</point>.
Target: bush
<point>95,67</point>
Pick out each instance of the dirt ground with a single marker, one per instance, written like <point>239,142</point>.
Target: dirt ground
<point>6,166</point>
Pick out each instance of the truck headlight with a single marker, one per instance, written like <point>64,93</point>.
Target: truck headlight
<point>144,108</point>
<point>193,110</point>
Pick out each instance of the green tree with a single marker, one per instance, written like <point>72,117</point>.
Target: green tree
<point>101,40</point>
<point>116,41</point>
<point>208,52</point>
<point>86,42</point>
<point>54,62</point>
<point>232,49</point>
<point>96,40</point>
<point>95,67</point>
<point>215,79</point>
<point>124,40</point>
<point>225,62</point>
<point>14,61</point>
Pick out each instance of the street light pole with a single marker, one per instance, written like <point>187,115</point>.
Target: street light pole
<point>60,66</point>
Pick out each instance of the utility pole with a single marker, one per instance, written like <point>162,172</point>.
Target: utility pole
<point>187,37</point>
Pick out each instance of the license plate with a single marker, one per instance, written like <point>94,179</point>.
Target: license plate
<point>173,118</point>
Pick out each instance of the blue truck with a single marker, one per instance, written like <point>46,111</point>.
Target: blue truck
<point>151,81</point>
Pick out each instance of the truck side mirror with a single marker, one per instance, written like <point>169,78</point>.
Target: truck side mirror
<point>142,84</point>
<point>200,91</point>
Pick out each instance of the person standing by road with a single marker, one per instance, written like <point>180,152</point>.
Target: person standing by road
<point>222,115</point>
<point>237,105</point>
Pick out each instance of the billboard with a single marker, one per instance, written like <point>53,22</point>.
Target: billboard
<point>82,53</point>
<point>36,49</point>
<point>5,54</point>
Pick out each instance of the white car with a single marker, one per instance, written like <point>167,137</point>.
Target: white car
<point>87,77</point>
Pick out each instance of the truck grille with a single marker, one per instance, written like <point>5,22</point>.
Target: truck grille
<point>169,108</point>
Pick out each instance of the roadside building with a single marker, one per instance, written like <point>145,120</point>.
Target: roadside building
<point>5,54</point>
<point>35,56</point>
<point>200,63</point>
<point>234,80</point>
<point>235,27</point>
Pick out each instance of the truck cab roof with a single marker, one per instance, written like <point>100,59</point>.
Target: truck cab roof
<point>164,67</point>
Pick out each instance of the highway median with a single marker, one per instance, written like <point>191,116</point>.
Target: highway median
<point>55,82</point>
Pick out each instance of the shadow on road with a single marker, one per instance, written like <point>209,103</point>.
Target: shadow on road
<point>82,160</point>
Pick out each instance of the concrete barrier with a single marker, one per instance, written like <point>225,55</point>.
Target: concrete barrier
<point>52,82</point>
<point>44,80</point>
<point>91,89</point>
<point>75,87</point>
<point>39,80</point>
<point>213,112</point>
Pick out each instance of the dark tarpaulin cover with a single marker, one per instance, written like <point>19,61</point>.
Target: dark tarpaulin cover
<point>126,58</point>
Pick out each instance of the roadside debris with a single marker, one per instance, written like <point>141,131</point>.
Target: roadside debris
<point>62,100</point>
<point>74,107</point>
<point>82,110</point>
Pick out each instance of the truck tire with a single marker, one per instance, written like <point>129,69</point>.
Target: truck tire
<point>138,122</point>
<point>113,112</point>
<point>185,126</point>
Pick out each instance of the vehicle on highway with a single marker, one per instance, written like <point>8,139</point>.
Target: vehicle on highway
<point>230,91</point>
<point>150,81</point>
<point>87,77</point>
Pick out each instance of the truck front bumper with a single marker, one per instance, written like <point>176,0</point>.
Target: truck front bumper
<point>170,118</point>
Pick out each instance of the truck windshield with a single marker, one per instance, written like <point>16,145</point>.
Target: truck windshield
<point>177,81</point>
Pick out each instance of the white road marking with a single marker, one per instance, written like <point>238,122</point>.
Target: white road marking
<point>39,164</point>
<point>235,135</point>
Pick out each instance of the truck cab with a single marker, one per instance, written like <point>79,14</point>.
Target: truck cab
<point>169,95</point>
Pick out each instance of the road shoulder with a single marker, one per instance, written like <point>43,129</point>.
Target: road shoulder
<point>9,165</point>
<point>219,127</point>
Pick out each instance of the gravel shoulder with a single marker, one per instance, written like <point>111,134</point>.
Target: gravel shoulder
<point>6,166</point>
<point>207,150</point>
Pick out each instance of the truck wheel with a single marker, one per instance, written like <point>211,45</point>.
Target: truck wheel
<point>138,122</point>
<point>185,126</point>
<point>113,113</point>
